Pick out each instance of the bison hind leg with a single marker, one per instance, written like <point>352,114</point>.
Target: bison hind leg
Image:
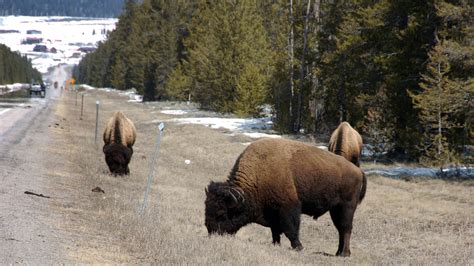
<point>342,217</point>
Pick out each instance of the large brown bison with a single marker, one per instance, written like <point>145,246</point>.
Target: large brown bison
<point>273,181</point>
<point>119,137</point>
<point>347,142</point>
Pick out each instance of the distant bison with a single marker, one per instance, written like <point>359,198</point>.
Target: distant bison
<point>119,137</point>
<point>347,142</point>
<point>273,181</point>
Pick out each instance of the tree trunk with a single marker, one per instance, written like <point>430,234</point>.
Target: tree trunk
<point>315,104</point>
<point>341,95</point>
<point>291,68</point>
<point>440,139</point>
<point>303,67</point>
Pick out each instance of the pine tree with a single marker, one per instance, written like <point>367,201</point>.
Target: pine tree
<point>226,37</point>
<point>448,86</point>
<point>439,99</point>
<point>117,74</point>
<point>179,85</point>
<point>16,68</point>
<point>251,92</point>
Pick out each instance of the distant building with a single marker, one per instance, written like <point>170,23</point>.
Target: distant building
<point>40,48</point>
<point>32,40</point>
<point>76,55</point>
<point>33,32</point>
<point>9,31</point>
<point>87,49</point>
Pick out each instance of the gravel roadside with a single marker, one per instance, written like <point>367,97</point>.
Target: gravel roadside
<point>40,227</point>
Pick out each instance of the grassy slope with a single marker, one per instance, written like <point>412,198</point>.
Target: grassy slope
<point>423,222</point>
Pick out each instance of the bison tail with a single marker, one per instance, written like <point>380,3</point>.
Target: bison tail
<point>363,188</point>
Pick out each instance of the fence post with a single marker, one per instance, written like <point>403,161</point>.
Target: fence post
<point>161,126</point>
<point>97,103</point>
<point>82,104</point>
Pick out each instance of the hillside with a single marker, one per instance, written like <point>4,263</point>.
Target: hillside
<point>82,8</point>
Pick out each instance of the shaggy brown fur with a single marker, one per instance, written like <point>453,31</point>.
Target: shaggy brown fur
<point>119,137</point>
<point>275,180</point>
<point>347,142</point>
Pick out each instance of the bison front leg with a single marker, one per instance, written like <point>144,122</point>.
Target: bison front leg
<point>342,218</point>
<point>290,225</point>
<point>276,232</point>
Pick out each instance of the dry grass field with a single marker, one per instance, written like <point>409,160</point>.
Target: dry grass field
<point>417,222</point>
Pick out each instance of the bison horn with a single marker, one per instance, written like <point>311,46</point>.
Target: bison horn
<point>233,197</point>
<point>239,193</point>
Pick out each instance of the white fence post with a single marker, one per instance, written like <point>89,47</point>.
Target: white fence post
<point>97,103</point>
<point>161,126</point>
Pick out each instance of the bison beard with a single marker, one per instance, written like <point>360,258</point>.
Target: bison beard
<point>117,157</point>
<point>274,181</point>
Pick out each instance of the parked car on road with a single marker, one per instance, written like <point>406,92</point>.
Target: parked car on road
<point>38,89</point>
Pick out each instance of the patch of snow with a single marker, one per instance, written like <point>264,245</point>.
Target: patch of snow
<point>4,111</point>
<point>87,87</point>
<point>397,172</point>
<point>322,147</point>
<point>257,135</point>
<point>402,171</point>
<point>132,95</point>
<point>107,89</point>
<point>135,98</point>
<point>174,112</point>
<point>247,126</point>
<point>13,87</point>
<point>232,124</point>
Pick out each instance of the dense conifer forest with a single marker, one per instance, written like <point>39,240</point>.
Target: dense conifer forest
<point>15,68</point>
<point>74,8</point>
<point>399,71</point>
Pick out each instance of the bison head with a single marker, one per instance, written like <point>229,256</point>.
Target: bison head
<point>226,211</point>
<point>118,157</point>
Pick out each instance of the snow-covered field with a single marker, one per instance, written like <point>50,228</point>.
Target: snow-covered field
<point>67,35</point>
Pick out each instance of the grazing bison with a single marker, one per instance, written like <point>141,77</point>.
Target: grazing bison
<point>119,137</point>
<point>347,142</point>
<point>273,181</point>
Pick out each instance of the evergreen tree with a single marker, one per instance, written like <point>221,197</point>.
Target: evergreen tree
<point>251,91</point>
<point>440,98</point>
<point>179,85</point>
<point>448,86</point>
<point>276,20</point>
<point>15,68</point>
<point>225,38</point>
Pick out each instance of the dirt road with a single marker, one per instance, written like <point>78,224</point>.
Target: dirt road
<point>32,229</point>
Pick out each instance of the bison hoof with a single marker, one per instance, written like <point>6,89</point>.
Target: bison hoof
<point>298,248</point>
<point>344,254</point>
